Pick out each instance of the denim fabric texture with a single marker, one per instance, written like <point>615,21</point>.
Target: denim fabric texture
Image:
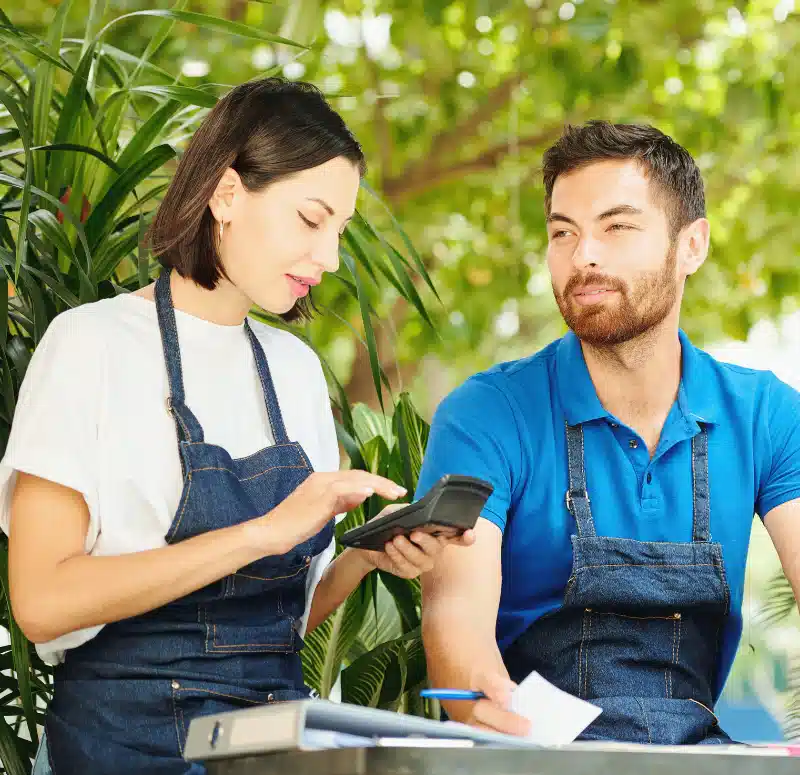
<point>639,630</point>
<point>123,701</point>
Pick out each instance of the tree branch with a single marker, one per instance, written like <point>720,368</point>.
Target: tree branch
<point>383,130</point>
<point>455,137</point>
<point>399,189</point>
<point>495,101</point>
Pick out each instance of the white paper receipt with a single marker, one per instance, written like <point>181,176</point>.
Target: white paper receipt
<point>556,717</point>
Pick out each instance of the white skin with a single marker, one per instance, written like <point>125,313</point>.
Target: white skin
<point>613,268</point>
<point>291,228</point>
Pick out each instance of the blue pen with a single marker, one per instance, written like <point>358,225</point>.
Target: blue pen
<point>451,694</point>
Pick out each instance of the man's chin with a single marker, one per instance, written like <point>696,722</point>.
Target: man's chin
<point>600,330</point>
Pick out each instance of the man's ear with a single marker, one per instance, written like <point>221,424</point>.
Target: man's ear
<point>693,249</point>
<point>221,200</point>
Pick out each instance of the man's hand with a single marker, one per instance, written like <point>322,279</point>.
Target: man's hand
<point>493,713</point>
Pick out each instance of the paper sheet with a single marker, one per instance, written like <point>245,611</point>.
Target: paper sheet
<point>556,717</point>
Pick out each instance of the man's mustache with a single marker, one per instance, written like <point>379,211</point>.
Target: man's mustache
<point>578,281</point>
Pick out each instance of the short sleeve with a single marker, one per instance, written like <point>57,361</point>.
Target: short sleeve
<point>54,433</point>
<point>782,480</point>
<point>474,433</point>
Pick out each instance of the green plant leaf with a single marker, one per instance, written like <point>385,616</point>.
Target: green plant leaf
<point>19,651</point>
<point>10,757</point>
<point>378,377</point>
<point>123,56</point>
<point>4,310</point>
<point>406,596</point>
<point>346,626</point>
<point>25,201</point>
<point>53,231</point>
<point>404,284</point>
<point>100,222</point>
<point>68,120</point>
<point>207,22</point>
<point>148,133</point>
<point>43,92</point>
<point>158,39</point>
<point>406,239</point>
<point>67,212</point>
<point>362,681</point>
<point>74,147</point>
<point>27,42</point>
<point>96,11</point>
<point>114,249</point>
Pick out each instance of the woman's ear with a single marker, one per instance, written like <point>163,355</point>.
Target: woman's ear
<point>222,199</point>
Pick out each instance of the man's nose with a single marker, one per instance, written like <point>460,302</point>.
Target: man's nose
<point>587,253</point>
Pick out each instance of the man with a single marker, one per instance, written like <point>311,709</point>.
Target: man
<point>626,464</point>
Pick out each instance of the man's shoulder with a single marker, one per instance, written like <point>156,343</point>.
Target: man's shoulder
<point>518,385</point>
<point>738,377</point>
<point>528,372</point>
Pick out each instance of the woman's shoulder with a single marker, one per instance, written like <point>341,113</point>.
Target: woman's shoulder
<point>284,346</point>
<point>92,323</point>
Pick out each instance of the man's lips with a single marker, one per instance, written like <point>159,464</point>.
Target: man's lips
<point>592,294</point>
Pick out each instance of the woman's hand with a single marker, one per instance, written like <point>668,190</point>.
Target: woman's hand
<point>410,558</point>
<point>316,501</point>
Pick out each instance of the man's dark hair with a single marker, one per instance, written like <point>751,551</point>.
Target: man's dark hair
<point>266,130</point>
<point>674,177</point>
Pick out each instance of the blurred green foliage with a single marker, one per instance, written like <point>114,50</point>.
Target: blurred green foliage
<point>455,102</point>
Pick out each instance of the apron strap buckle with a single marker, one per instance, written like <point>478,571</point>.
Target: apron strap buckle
<point>572,494</point>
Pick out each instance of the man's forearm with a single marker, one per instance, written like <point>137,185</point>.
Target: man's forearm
<point>455,652</point>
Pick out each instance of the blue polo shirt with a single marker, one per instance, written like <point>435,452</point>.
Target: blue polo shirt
<point>506,425</point>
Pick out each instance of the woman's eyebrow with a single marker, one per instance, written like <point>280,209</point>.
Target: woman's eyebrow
<point>323,203</point>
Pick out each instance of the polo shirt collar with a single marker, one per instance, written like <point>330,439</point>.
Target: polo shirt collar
<point>696,399</point>
<point>697,395</point>
<point>578,396</point>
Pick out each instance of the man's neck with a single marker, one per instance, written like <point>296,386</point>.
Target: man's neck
<point>638,380</point>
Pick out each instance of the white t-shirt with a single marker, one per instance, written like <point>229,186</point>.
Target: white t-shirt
<point>92,415</point>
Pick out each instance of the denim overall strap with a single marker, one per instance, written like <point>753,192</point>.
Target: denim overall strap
<point>270,397</point>
<point>701,530</point>
<point>189,429</point>
<point>577,497</point>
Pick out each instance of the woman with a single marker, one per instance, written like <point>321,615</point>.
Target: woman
<point>173,577</point>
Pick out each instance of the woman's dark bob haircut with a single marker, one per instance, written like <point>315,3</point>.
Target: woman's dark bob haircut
<point>266,130</point>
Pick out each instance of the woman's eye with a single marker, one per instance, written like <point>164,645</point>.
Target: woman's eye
<point>559,233</point>
<point>307,222</point>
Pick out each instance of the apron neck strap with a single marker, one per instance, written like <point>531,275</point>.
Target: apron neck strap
<point>270,396</point>
<point>577,496</point>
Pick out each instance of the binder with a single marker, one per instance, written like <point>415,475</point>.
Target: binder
<point>314,724</point>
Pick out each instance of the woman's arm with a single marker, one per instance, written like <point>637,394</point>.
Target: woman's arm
<point>341,577</point>
<point>401,557</point>
<point>57,588</point>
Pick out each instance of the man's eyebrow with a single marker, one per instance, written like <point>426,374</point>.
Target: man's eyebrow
<point>610,213</point>
<point>559,217</point>
<point>619,210</point>
<point>323,203</point>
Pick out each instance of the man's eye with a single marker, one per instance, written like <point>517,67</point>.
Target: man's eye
<point>308,223</point>
<point>559,233</point>
<point>619,227</point>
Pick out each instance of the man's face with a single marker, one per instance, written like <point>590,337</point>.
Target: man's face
<point>612,264</point>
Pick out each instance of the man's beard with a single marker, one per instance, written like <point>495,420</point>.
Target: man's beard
<point>637,310</point>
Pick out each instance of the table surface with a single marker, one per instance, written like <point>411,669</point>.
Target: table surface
<point>570,760</point>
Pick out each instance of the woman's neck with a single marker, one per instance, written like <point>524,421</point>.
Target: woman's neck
<point>226,305</point>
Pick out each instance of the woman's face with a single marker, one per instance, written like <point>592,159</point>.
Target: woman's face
<point>277,243</point>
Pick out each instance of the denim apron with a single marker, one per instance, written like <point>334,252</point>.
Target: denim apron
<point>123,701</point>
<point>640,628</point>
